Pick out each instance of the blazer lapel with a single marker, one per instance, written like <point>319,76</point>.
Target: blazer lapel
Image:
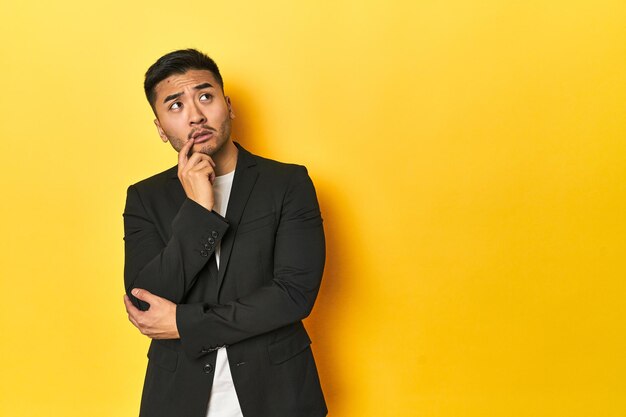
<point>245,177</point>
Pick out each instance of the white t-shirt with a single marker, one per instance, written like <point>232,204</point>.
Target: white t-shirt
<point>223,401</point>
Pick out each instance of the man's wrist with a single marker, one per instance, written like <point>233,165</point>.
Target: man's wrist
<point>206,205</point>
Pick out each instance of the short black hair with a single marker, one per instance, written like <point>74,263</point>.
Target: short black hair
<point>178,62</point>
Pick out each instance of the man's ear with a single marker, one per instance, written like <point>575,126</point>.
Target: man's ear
<point>160,130</point>
<point>231,113</point>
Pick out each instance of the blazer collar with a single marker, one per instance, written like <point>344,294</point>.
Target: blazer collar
<point>246,175</point>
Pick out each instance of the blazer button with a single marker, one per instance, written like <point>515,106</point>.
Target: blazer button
<point>211,240</point>
<point>204,253</point>
<point>208,368</point>
<point>214,233</point>
<point>207,246</point>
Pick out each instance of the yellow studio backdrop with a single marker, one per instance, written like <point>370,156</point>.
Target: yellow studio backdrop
<point>469,158</point>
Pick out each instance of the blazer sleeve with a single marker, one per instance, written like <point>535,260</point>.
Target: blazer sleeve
<point>299,256</point>
<point>167,269</point>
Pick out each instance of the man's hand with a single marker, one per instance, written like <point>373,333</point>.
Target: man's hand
<point>159,322</point>
<point>196,174</point>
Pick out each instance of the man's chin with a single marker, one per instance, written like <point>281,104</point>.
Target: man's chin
<point>205,148</point>
<point>213,146</point>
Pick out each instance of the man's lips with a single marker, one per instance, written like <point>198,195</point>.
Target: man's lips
<point>201,136</point>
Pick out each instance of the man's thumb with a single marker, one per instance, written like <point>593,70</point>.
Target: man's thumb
<point>142,294</point>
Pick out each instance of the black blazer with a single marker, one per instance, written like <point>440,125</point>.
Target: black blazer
<point>271,264</point>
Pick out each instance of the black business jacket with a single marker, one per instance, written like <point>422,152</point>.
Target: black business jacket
<point>271,263</point>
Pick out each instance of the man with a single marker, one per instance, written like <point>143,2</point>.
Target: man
<point>224,257</point>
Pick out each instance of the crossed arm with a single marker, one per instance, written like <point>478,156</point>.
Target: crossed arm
<point>172,271</point>
<point>298,264</point>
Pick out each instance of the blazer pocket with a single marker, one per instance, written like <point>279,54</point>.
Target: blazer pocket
<point>288,347</point>
<point>255,223</point>
<point>163,357</point>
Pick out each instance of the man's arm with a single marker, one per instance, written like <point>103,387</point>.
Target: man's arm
<point>169,269</point>
<point>299,255</point>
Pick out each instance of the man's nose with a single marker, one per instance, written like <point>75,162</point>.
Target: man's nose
<point>195,115</point>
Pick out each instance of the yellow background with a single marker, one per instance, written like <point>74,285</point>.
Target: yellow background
<point>469,158</point>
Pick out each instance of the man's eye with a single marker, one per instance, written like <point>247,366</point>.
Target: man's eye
<point>206,96</point>
<point>176,105</point>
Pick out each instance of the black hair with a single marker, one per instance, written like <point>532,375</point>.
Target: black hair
<point>178,62</point>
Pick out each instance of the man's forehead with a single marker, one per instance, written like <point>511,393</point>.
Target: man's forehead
<point>191,78</point>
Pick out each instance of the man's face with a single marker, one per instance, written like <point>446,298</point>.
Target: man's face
<point>192,105</point>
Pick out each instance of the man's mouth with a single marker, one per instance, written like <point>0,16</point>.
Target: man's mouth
<point>202,135</point>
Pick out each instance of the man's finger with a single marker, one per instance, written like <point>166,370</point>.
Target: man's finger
<point>133,321</point>
<point>196,158</point>
<point>183,155</point>
<point>145,295</point>
<point>133,313</point>
<point>130,308</point>
<point>200,165</point>
<point>191,163</point>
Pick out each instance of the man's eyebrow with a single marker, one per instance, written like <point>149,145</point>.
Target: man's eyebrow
<point>172,97</point>
<point>176,95</point>
<point>203,85</point>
